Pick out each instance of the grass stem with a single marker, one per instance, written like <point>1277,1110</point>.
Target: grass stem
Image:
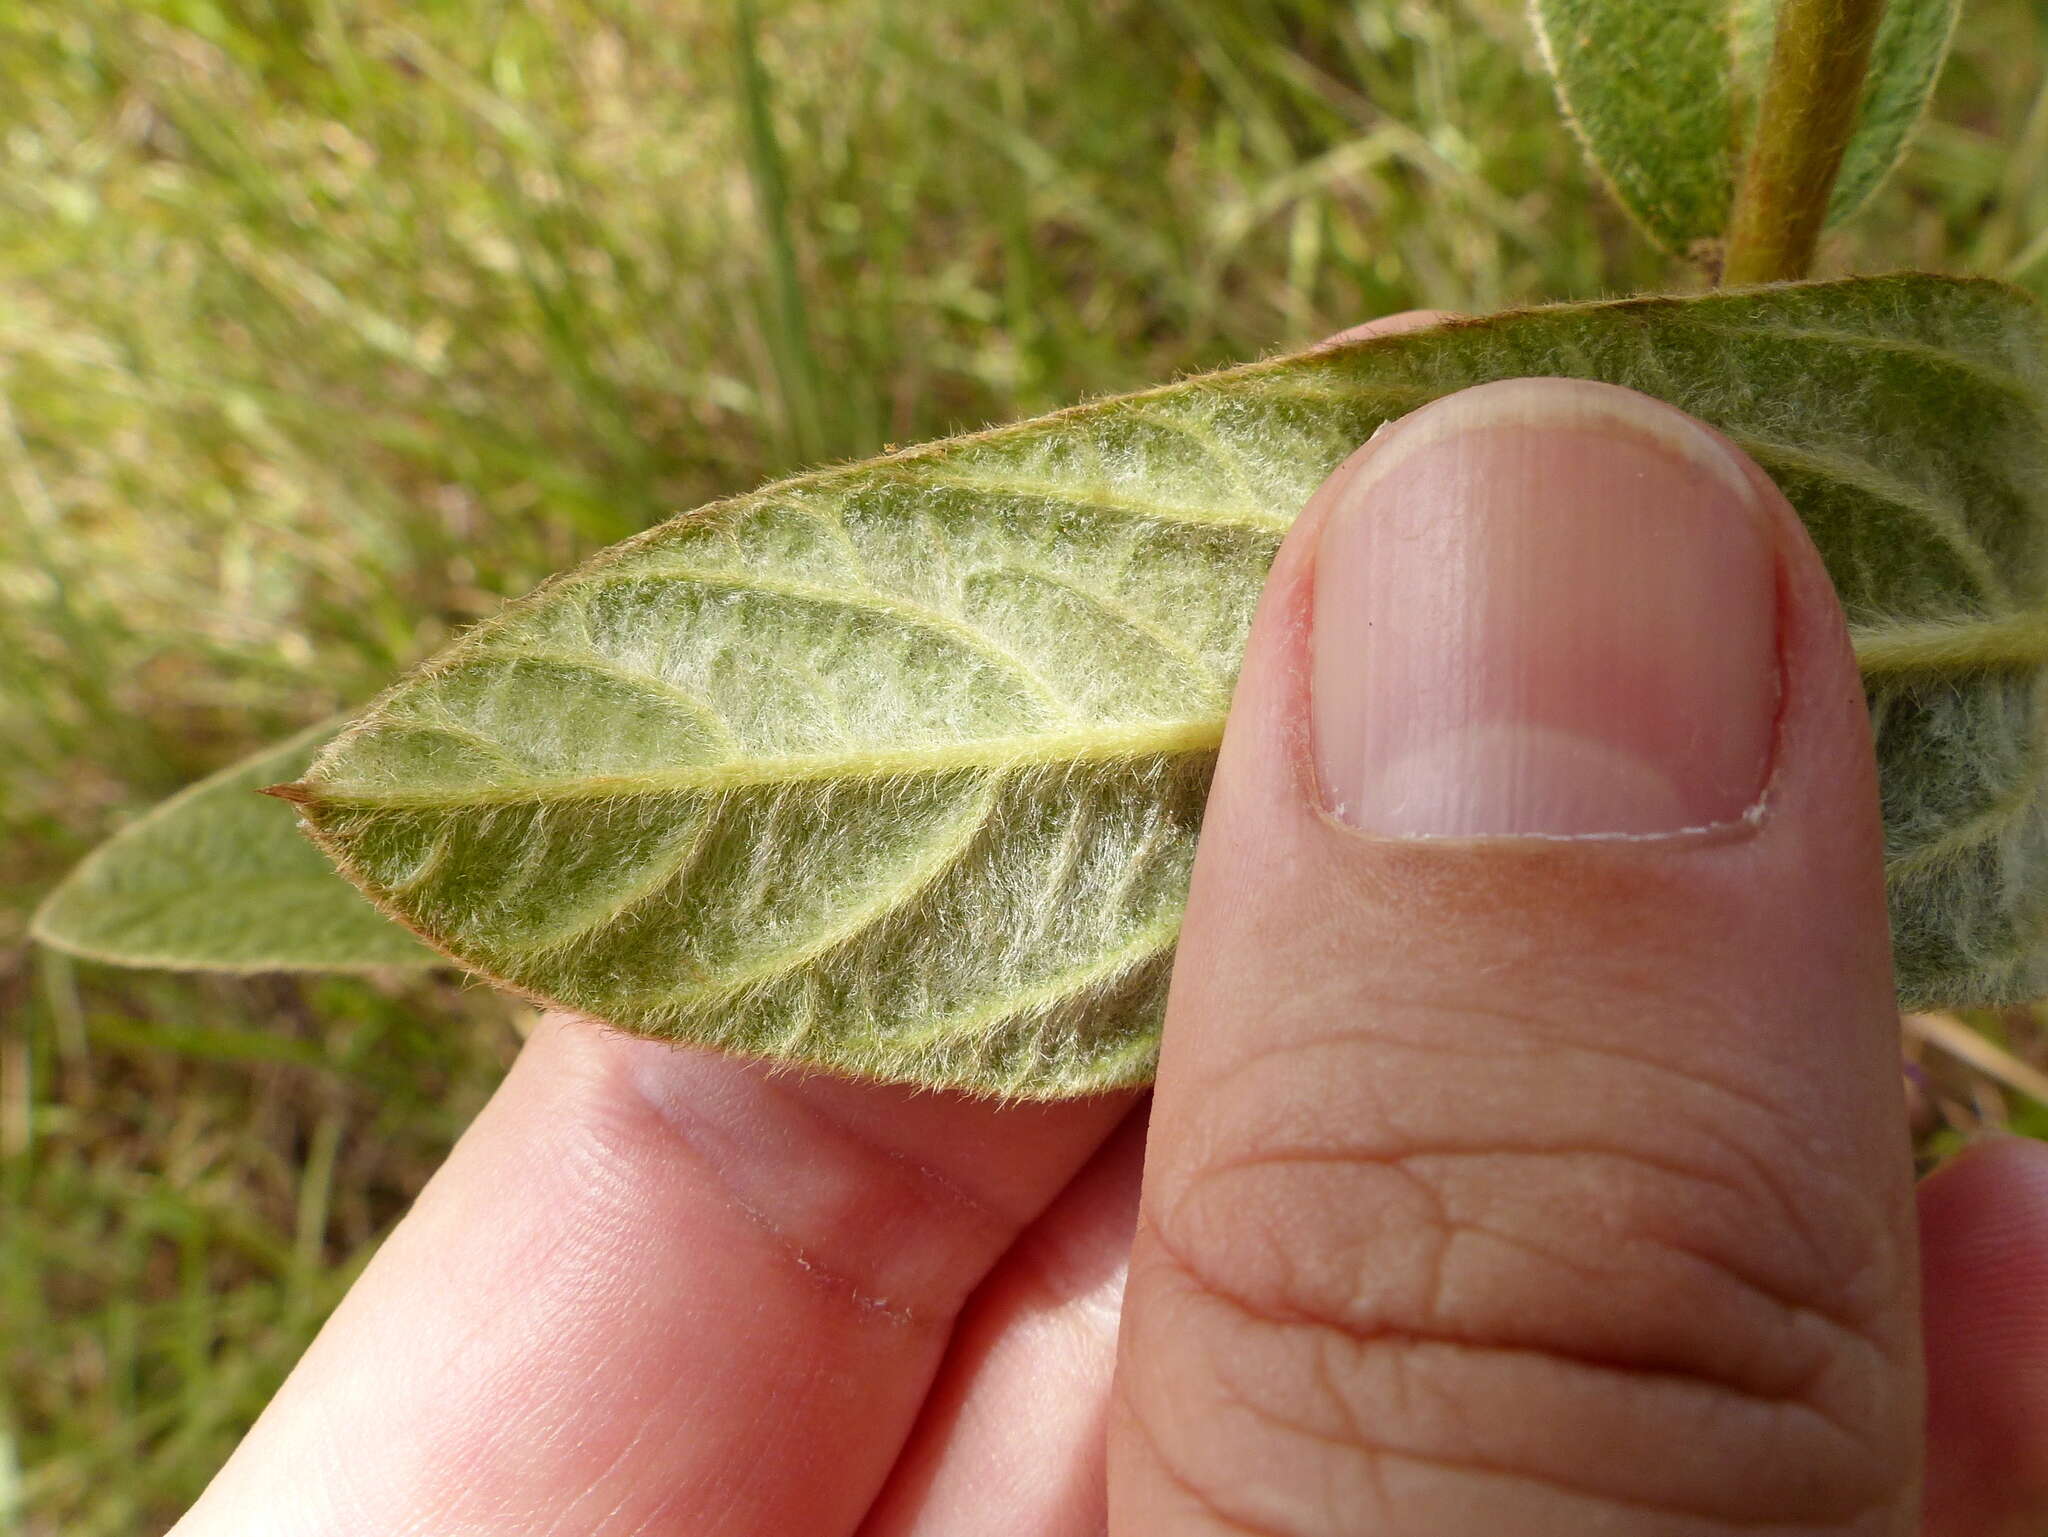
<point>789,331</point>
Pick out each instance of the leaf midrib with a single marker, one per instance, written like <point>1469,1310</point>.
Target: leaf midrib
<point>997,755</point>
<point>2014,641</point>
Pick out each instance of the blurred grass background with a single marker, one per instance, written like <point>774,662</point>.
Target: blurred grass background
<point>327,324</point>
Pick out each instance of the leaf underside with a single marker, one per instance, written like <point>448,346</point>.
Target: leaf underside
<point>209,881</point>
<point>1662,94</point>
<point>897,769</point>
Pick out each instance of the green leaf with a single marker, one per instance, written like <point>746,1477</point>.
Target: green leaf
<point>1648,87</point>
<point>1662,93</point>
<point>217,879</point>
<point>1905,61</point>
<point>898,768</point>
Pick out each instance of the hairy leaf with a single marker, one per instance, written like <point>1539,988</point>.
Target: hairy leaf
<point>215,879</point>
<point>1905,61</point>
<point>1663,94</point>
<point>898,768</point>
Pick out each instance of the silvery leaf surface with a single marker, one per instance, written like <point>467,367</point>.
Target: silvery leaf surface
<point>897,769</point>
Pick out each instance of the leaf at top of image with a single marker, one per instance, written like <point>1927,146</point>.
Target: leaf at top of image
<point>897,768</point>
<point>1662,94</point>
<point>215,879</point>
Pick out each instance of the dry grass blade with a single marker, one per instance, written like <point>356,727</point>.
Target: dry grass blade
<point>1968,1045</point>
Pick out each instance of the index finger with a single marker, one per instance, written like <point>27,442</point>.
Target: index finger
<point>652,1289</point>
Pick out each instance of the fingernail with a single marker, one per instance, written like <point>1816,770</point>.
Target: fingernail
<point>1544,607</point>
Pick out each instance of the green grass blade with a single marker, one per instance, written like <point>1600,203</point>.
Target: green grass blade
<point>788,321</point>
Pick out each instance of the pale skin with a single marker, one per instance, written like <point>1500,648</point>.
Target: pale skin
<point>1618,1237</point>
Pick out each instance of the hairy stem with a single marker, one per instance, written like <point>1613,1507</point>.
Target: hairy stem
<point>1810,99</point>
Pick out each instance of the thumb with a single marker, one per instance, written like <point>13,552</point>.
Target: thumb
<point>1528,1153</point>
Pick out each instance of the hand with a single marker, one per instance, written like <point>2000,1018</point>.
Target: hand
<point>1528,1154</point>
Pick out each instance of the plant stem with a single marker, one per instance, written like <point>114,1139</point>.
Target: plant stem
<point>1810,99</point>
